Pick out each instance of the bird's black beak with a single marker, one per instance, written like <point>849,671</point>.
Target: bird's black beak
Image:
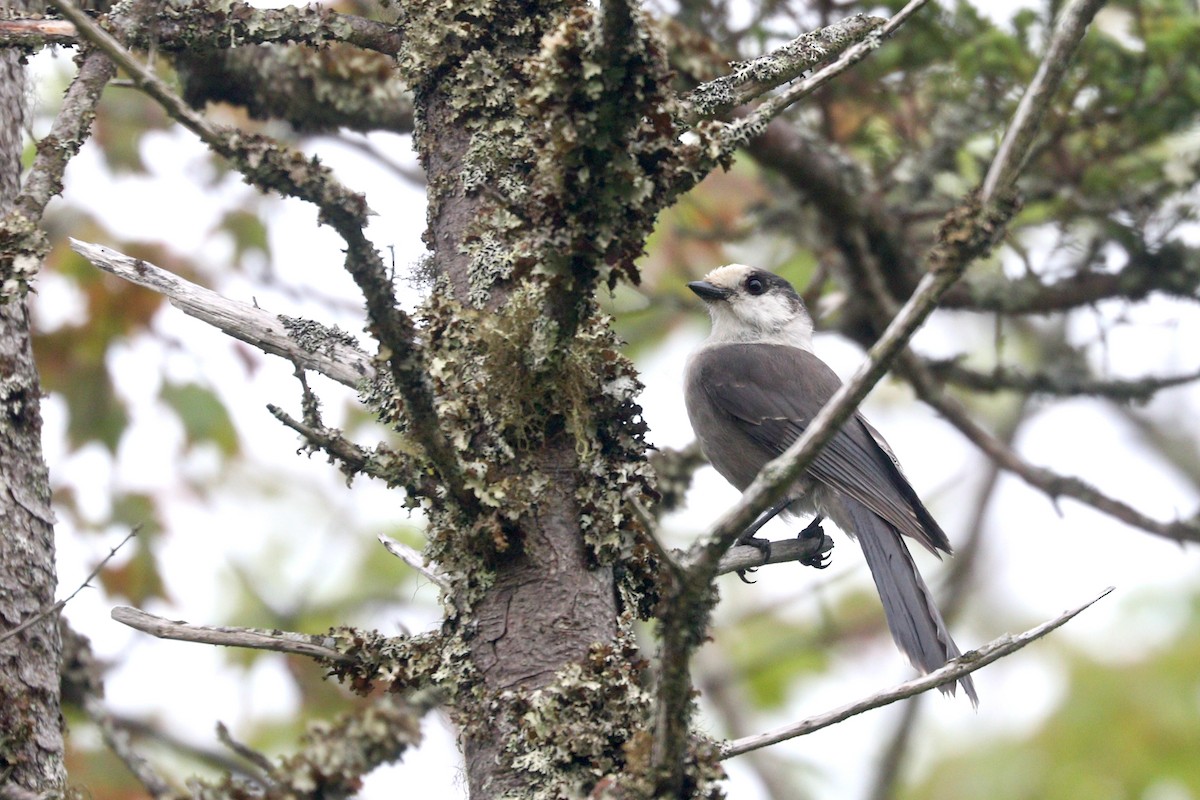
<point>708,291</point>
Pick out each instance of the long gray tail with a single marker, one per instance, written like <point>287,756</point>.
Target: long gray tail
<point>916,625</point>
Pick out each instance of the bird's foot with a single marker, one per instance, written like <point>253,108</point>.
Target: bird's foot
<point>760,544</point>
<point>821,558</point>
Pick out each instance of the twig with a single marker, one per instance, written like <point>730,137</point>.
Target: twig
<point>415,560</point>
<point>58,605</point>
<point>752,124</point>
<point>1060,383</point>
<point>1046,480</point>
<point>333,356</point>
<point>757,76</point>
<point>254,638</point>
<point>1014,147</point>
<point>248,753</point>
<point>966,558</point>
<point>952,671</point>
<point>744,557</point>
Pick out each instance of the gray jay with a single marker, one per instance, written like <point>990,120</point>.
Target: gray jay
<point>751,389</point>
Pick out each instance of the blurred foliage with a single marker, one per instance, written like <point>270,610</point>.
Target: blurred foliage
<point>1124,729</point>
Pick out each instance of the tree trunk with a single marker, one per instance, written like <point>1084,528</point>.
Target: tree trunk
<point>31,742</point>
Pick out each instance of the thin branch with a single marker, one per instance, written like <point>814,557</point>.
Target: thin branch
<point>254,638</point>
<point>1060,383</point>
<point>57,606</point>
<point>754,123</point>
<point>954,593</point>
<point>331,355</point>
<point>141,730</point>
<point>1072,23</point>
<point>260,761</point>
<point>415,560</point>
<point>1046,480</point>
<point>743,557</point>
<point>951,672</point>
<point>752,78</point>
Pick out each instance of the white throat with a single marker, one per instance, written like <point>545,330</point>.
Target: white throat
<point>728,327</point>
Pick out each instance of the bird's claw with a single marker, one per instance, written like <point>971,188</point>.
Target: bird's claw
<point>758,543</point>
<point>822,558</point>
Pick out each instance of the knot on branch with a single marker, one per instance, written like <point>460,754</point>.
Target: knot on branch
<point>970,230</point>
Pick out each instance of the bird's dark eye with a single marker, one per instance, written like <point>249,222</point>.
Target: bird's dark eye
<point>755,285</point>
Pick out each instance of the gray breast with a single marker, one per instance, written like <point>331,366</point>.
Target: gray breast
<point>733,453</point>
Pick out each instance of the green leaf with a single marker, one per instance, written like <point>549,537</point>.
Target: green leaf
<point>204,417</point>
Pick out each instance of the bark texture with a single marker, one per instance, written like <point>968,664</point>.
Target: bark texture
<point>31,742</point>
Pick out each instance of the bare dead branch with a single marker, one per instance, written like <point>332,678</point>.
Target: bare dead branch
<point>753,78</point>
<point>743,557</point>
<point>333,356</point>
<point>35,33</point>
<point>415,560</point>
<point>254,638</point>
<point>952,671</point>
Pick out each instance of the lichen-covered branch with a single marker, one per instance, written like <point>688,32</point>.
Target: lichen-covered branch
<point>753,78</point>
<point>952,671</point>
<point>314,90</point>
<point>754,123</point>
<point>204,25</point>
<point>209,26</point>
<point>271,166</point>
<point>335,756</point>
<point>331,352</point>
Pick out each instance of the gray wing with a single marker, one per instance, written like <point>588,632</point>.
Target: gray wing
<point>770,393</point>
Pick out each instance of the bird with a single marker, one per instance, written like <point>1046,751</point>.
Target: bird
<point>751,388</point>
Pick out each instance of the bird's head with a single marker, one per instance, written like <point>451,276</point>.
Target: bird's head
<point>752,305</point>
